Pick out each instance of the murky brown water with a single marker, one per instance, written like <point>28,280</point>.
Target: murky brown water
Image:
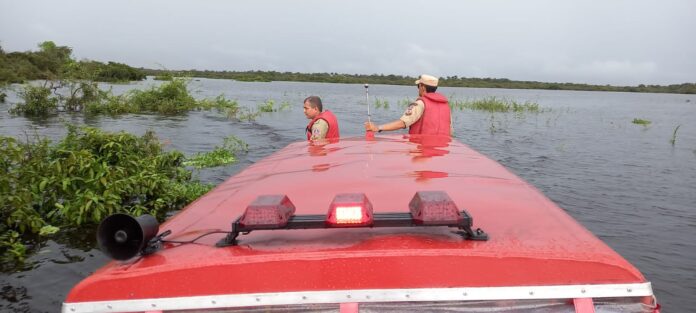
<point>624,182</point>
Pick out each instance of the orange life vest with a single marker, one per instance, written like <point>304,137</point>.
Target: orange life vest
<point>436,118</point>
<point>330,119</point>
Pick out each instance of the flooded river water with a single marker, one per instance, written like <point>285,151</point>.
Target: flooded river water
<point>626,183</point>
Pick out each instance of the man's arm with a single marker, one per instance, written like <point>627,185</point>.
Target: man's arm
<point>412,114</point>
<point>394,125</point>
<point>319,129</point>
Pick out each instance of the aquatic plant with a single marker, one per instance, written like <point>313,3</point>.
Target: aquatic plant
<point>82,93</point>
<point>85,177</point>
<point>267,106</point>
<point>169,98</point>
<point>219,156</point>
<point>285,105</point>
<point>220,103</point>
<point>112,105</point>
<point>245,114</point>
<point>38,101</point>
<point>381,103</point>
<point>166,76</point>
<point>494,104</point>
<point>639,121</point>
<point>674,135</point>
<point>404,102</point>
<point>3,97</point>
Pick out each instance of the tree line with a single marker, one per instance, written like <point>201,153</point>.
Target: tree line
<point>52,62</point>
<point>449,81</point>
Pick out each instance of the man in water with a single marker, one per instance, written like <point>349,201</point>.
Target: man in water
<point>323,124</point>
<point>428,115</point>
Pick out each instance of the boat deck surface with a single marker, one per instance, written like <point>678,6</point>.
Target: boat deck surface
<point>532,241</point>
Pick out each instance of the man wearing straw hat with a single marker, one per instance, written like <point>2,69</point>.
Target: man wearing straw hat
<point>428,115</point>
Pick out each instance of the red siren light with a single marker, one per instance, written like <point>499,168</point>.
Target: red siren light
<point>427,208</point>
<point>350,209</point>
<point>268,211</point>
<point>433,208</point>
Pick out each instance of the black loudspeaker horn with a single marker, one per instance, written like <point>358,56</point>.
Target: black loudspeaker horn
<point>121,236</point>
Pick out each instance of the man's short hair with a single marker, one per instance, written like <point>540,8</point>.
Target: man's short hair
<point>429,89</point>
<point>314,102</point>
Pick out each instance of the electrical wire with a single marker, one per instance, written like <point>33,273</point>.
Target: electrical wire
<point>199,237</point>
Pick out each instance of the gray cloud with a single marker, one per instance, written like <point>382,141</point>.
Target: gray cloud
<point>603,42</point>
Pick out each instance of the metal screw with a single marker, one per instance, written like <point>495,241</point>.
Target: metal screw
<point>213,301</point>
<point>465,294</point>
<point>257,299</point>
<point>408,296</point>
<point>304,297</point>
<point>348,296</point>
<point>531,293</point>
<point>629,289</point>
<point>583,290</point>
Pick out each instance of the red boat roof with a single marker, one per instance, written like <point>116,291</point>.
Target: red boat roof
<point>532,241</point>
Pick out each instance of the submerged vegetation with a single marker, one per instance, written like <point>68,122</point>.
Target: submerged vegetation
<point>381,103</point>
<point>495,104</point>
<point>673,140</point>
<point>220,155</point>
<point>169,98</point>
<point>642,122</point>
<point>88,175</point>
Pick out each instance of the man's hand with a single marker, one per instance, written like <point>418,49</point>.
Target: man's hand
<point>371,127</point>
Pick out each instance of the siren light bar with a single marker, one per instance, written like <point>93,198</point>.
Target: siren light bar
<point>427,208</point>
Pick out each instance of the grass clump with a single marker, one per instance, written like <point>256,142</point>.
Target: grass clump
<point>404,102</point>
<point>223,155</point>
<point>270,106</point>
<point>674,135</point>
<point>88,175</point>
<point>642,122</point>
<point>267,106</point>
<point>381,103</point>
<point>494,104</point>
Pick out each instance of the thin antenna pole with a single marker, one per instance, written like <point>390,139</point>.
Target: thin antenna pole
<point>367,100</point>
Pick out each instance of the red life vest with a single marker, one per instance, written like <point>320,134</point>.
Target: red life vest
<point>330,119</point>
<point>436,116</point>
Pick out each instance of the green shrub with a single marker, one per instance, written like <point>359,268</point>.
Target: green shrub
<point>85,177</point>
<point>37,101</point>
<point>169,98</point>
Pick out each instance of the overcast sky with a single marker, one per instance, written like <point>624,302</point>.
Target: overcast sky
<point>623,42</point>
